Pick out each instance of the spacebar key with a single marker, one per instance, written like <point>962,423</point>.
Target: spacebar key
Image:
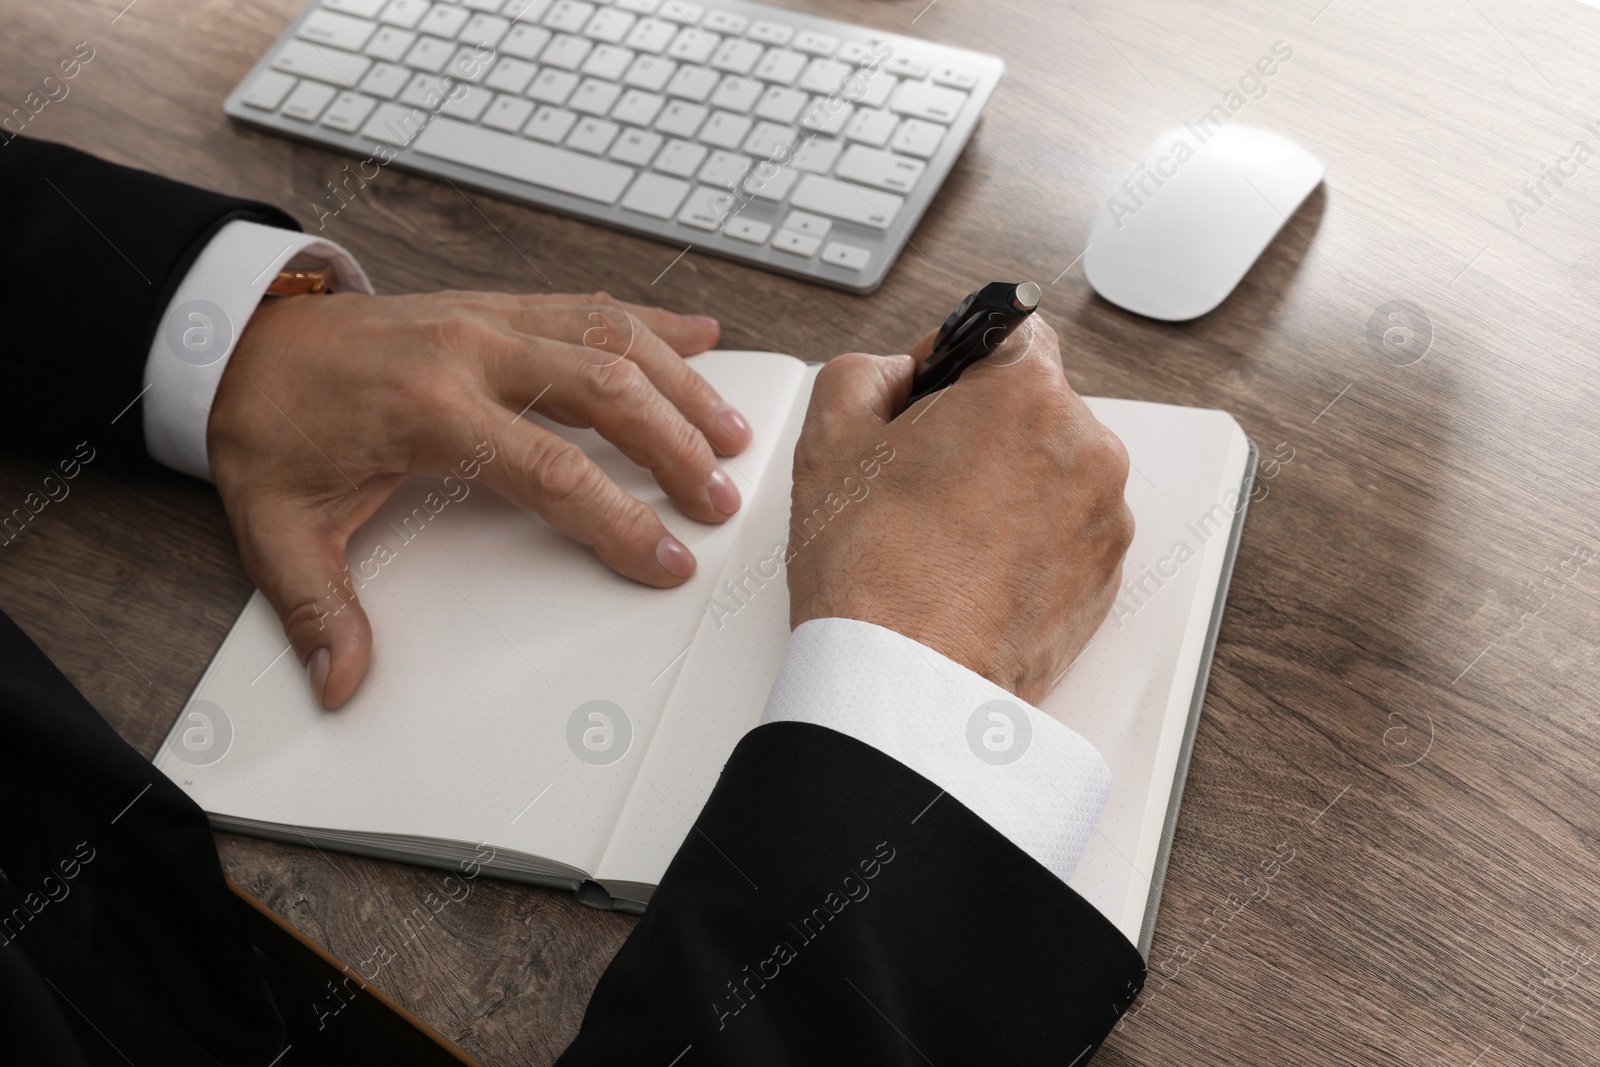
<point>845,200</point>
<point>514,157</point>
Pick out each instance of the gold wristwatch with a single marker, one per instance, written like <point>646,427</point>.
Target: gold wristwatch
<point>302,275</point>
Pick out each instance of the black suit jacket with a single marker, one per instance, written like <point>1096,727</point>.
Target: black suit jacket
<point>830,906</point>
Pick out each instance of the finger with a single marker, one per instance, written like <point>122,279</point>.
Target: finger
<point>551,476</point>
<point>607,331</point>
<point>855,394</point>
<point>619,399</point>
<point>727,431</point>
<point>300,569</point>
<point>924,348</point>
<point>687,335</point>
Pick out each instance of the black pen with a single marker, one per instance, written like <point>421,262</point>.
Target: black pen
<point>979,325</point>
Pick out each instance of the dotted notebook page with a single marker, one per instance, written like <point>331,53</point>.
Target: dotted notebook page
<point>497,642</point>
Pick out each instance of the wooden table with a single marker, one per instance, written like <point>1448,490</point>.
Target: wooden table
<point>1403,692</point>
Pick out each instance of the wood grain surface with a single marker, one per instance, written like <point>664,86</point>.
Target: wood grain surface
<point>1389,851</point>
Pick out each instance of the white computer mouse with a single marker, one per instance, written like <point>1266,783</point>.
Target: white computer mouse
<point>1179,234</point>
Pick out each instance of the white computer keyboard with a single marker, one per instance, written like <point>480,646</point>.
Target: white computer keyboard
<point>799,144</point>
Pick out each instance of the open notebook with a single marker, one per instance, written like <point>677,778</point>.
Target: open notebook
<point>525,699</point>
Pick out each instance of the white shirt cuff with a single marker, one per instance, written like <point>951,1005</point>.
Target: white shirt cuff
<point>1038,782</point>
<point>200,327</point>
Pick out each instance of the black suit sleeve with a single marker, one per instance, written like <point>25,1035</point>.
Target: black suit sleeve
<point>831,906</point>
<point>92,255</point>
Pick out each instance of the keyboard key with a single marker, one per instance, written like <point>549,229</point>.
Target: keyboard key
<point>649,72</point>
<point>770,33</point>
<point>404,13</point>
<point>766,181</point>
<point>363,8</point>
<point>348,112</point>
<point>853,52</point>
<point>693,83</point>
<point>594,136</point>
<point>870,91</point>
<point>638,108</point>
<point>680,158</point>
<point>339,31</point>
<point>511,75</point>
<point>681,119</point>
<point>525,42</point>
<point>693,45</point>
<point>838,254</point>
<point>637,147</point>
<point>780,66</point>
<point>922,101</point>
<point>444,20</point>
<point>482,5</point>
<point>485,30</point>
<point>470,64</point>
<point>656,195</point>
<point>816,155</point>
<point>508,113</point>
<point>797,244</point>
<point>827,115</point>
<point>725,130</point>
<point>466,102</point>
<point>810,225</point>
<point>707,208</point>
<point>743,229</point>
<point>595,97</point>
<point>524,160</point>
<point>651,35</point>
<point>724,169</point>
<point>767,137</point>
<point>778,104</point>
<point>390,43</point>
<point>680,11</point>
<point>324,64</point>
<point>917,138</point>
<point>883,170</point>
<point>815,44</point>
<point>639,7</point>
<point>608,61</point>
<point>566,51</point>
<point>871,127</point>
<point>525,11</point>
<point>907,66</point>
<point>610,25</point>
<point>395,124</point>
<point>386,80</point>
<point>954,77</point>
<point>430,54</point>
<point>724,22</point>
<point>268,90</point>
<point>736,55</point>
<point>424,90</point>
<point>569,16</point>
<point>552,86</point>
<point>550,124</point>
<point>824,75</point>
<point>736,94</point>
<point>840,200</point>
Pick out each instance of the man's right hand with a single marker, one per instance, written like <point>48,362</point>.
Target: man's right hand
<point>986,521</point>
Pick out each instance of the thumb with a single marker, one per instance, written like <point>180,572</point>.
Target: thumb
<point>854,395</point>
<point>300,569</point>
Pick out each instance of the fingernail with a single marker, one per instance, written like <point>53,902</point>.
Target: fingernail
<point>671,554</point>
<point>724,494</point>
<point>706,322</point>
<point>729,418</point>
<point>317,672</point>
